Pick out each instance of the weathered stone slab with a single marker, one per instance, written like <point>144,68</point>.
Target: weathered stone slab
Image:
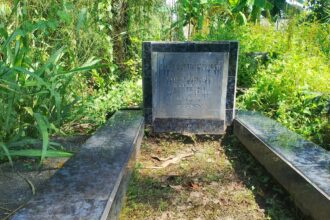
<point>184,83</point>
<point>302,167</point>
<point>189,87</point>
<point>91,185</point>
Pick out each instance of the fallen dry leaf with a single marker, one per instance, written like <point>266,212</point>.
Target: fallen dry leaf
<point>194,186</point>
<point>174,160</point>
<point>160,158</point>
<point>176,188</point>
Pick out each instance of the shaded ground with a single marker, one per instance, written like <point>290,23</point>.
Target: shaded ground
<point>180,177</point>
<point>19,184</point>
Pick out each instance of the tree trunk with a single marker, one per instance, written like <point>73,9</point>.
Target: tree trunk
<point>120,35</point>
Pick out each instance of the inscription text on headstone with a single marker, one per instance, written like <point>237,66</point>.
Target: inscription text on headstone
<point>189,85</point>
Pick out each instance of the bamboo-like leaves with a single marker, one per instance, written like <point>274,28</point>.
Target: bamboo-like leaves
<point>43,129</point>
<point>6,152</point>
<point>242,18</point>
<point>32,97</point>
<point>38,153</point>
<point>36,72</point>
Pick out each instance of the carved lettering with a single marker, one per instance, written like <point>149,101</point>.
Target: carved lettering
<point>194,81</point>
<point>188,85</point>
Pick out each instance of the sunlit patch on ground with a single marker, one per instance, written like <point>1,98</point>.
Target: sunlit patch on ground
<point>179,177</point>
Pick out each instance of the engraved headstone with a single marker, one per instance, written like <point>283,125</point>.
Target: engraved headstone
<point>189,87</point>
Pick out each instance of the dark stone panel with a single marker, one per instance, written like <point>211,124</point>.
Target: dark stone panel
<point>148,115</point>
<point>146,78</point>
<point>231,93</point>
<point>87,185</point>
<point>212,47</point>
<point>288,144</point>
<point>196,126</point>
<point>165,98</point>
<point>190,46</point>
<point>147,93</point>
<point>230,115</point>
<point>300,166</point>
<point>146,59</point>
<point>233,59</point>
<point>195,90</point>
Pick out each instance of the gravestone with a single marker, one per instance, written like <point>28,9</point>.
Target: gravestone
<point>190,87</point>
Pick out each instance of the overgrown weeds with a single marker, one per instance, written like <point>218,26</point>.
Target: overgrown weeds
<point>56,70</point>
<point>285,74</point>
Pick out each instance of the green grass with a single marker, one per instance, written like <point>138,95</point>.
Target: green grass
<point>292,84</point>
<point>57,71</point>
<point>218,181</point>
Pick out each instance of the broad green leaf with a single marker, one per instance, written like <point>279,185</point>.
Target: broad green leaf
<point>43,129</point>
<point>52,59</point>
<point>91,62</point>
<point>260,3</point>
<point>233,3</point>
<point>8,88</point>
<point>39,153</point>
<point>8,114</point>
<point>6,153</point>
<point>250,2</point>
<point>29,110</point>
<point>86,68</point>
<point>12,37</point>
<point>242,18</point>
<point>268,5</point>
<point>39,79</point>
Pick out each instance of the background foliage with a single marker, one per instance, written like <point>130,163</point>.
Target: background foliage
<point>284,67</point>
<point>65,65</point>
<point>57,72</point>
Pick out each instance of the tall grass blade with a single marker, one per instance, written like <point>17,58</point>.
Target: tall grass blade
<point>7,153</point>
<point>43,129</point>
<point>11,38</point>
<point>38,153</point>
<point>8,118</point>
<point>52,60</point>
<point>86,68</point>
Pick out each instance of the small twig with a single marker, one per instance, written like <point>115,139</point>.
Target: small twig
<point>160,158</point>
<point>29,182</point>
<point>14,211</point>
<point>174,160</point>
<point>8,210</point>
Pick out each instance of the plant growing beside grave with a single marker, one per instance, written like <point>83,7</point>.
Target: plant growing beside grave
<point>283,68</point>
<point>61,75</point>
<point>57,74</point>
<point>288,80</point>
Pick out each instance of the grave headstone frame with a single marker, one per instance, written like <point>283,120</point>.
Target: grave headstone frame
<point>163,100</point>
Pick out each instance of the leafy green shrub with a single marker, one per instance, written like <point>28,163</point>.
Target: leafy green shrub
<point>293,85</point>
<point>56,69</point>
<point>33,94</point>
<point>294,90</point>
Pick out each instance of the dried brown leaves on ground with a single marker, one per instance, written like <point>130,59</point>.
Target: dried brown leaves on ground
<point>206,178</point>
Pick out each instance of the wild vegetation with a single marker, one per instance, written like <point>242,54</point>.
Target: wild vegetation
<point>284,67</point>
<point>65,65</point>
<point>58,74</point>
